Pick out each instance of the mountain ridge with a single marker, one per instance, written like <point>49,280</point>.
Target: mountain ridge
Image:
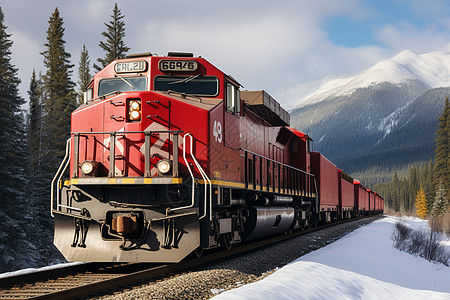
<point>390,123</point>
<point>429,68</point>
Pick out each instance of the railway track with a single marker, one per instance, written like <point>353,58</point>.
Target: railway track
<point>89,279</point>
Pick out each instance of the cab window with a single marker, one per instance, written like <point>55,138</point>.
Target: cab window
<point>233,99</point>
<point>197,85</point>
<point>122,84</point>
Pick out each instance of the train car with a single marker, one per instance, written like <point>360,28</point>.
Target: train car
<point>371,202</point>
<point>168,157</point>
<point>347,203</point>
<point>327,178</point>
<point>378,204</point>
<point>361,198</point>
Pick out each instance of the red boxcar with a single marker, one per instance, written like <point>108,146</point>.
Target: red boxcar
<point>371,201</point>
<point>362,198</point>
<point>346,195</point>
<point>378,204</point>
<point>299,144</point>
<point>327,178</point>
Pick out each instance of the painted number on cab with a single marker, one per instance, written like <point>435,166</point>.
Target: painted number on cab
<point>217,131</point>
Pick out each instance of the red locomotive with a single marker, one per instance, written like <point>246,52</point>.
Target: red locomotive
<point>168,157</point>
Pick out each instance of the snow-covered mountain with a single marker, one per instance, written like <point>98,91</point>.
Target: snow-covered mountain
<point>384,115</point>
<point>432,69</point>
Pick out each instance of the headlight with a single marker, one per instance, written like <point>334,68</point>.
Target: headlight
<point>87,167</point>
<point>134,110</point>
<point>164,166</point>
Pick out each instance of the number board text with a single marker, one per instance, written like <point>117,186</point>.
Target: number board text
<point>130,67</point>
<point>178,65</point>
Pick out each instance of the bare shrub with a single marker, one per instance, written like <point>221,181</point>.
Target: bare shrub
<point>401,235</point>
<point>416,244</point>
<point>434,251</point>
<point>423,243</point>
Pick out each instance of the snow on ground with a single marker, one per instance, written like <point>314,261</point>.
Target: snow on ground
<point>32,270</point>
<point>361,265</point>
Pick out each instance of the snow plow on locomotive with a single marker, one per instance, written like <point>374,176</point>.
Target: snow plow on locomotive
<point>168,157</point>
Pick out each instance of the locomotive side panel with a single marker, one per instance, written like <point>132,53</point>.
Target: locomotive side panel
<point>224,162</point>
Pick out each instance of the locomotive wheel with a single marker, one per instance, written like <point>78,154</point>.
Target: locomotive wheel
<point>197,252</point>
<point>289,230</point>
<point>227,245</point>
<point>226,242</point>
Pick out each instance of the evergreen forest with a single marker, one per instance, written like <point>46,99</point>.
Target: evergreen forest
<point>33,141</point>
<point>425,189</point>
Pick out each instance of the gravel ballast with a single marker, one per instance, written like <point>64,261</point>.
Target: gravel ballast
<point>205,282</point>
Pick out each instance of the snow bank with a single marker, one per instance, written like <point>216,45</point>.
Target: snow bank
<point>361,265</point>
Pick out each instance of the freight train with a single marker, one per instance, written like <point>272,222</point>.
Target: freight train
<point>168,156</point>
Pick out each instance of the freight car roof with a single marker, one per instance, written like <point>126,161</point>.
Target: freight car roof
<point>287,132</point>
<point>261,103</point>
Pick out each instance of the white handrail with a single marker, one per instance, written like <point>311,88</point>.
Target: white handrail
<point>206,179</point>
<point>190,172</point>
<point>62,168</point>
<point>202,173</point>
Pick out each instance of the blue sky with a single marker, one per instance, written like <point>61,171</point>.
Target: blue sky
<point>355,32</point>
<point>278,46</point>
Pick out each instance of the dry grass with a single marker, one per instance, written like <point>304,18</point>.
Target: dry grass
<point>401,213</point>
<point>441,223</point>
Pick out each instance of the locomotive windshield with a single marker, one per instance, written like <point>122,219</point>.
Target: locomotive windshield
<point>122,84</point>
<point>194,85</point>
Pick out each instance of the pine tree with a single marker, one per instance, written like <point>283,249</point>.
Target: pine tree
<point>442,167</point>
<point>413,186</point>
<point>114,46</point>
<point>34,122</point>
<point>441,204</point>
<point>59,100</point>
<point>427,181</point>
<point>15,245</point>
<point>421,204</point>
<point>84,74</point>
<point>395,193</point>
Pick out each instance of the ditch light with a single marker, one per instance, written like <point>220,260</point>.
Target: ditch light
<point>134,110</point>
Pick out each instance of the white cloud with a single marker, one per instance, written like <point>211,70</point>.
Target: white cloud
<point>263,44</point>
<point>405,35</point>
<point>25,56</point>
<point>327,62</point>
